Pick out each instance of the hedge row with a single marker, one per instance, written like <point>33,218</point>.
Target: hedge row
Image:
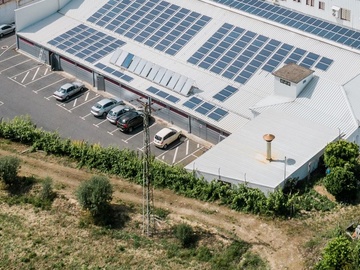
<point>128,164</point>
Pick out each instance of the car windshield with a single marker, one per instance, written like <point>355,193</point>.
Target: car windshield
<point>112,113</point>
<point>62,90</point>
<point>98,106</point>
<point>157,137</point>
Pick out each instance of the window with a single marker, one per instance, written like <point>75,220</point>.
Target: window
<point>345,14</point>
<point>285,82</point>
<point>322,5</point>
<point>297,1</point>
<point>310,2</point>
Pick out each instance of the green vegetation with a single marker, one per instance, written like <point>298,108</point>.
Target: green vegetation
<point>95,196</point>
<point>185,234</point>
<point>9,167</point>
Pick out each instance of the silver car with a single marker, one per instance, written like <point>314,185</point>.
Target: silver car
<point>6,29</point>
<point>68,90</point>
<point>102,107</point>
<point>116,112</point>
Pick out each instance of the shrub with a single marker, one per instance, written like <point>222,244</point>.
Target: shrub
<point>9,167</point>
<point>47,192</point>
<point>341,152</point>
<point>342,183</point>
<point>185,234</point>
<point>95,196</point>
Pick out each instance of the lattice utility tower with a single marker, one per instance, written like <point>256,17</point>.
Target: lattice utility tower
<point>148,221</point>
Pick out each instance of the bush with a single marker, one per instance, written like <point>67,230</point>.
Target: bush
<point>342,183</point>
<point>341,152</point>
<point>47,192</point>
<point>231,256</point>
<point>9,167</point>
<point>95,196</point>
<point>185,234</point>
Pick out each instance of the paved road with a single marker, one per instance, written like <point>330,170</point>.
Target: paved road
<point>26,88</point>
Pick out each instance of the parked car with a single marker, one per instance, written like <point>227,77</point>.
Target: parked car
<point>6,29</point>
<point>102,107</point>
<point>130,120</point>
<point>116,112</point>
<point>68,90</point>
<point>166,136</point>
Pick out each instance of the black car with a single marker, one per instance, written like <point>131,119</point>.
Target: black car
<point>130,120</point>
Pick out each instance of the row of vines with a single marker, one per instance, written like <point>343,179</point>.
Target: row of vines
<point>128,164</point>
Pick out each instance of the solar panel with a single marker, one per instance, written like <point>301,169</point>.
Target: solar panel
<point>296,20</point>
<point>192,102</point>
<point>163,94</point>
<point>83,42</point>
<point>158,24</point>
<point>218,114</point>
<point>324,63</point>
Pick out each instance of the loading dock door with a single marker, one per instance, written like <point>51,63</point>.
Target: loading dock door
<point>55,62</point>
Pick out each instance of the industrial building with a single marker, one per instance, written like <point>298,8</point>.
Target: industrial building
<point>226,71</point>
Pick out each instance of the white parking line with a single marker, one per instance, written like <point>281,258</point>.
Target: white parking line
<point>63,107</point>
<point>112,132</point>
<point>6,51</point>
<point>142,148</point>
<point>38,79</point>
<point>85,102</point>
<point>175,155</point>
<point>36,91</point>
<point>1,103</point>
<point>133,136</point>
<point>74,102</point>
<point>192,154</point>
<point>25,76</point>
<point>187,147</point>
<point>97,125</point>
<point>16,81</point>
<point>36,72</point>
<point>83,117</point>
<point>15,66</point>
<point>87,96</point>
<point>46,71</point>
<point>4,60</point>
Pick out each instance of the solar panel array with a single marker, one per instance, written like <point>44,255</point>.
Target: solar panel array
<point>86,43</point>
<point>115,72</point>
<point>205,108</point>
<point>163,94</point>
<point>237,54</point>
<point>225,93</point>
<point>297,20</point>
<point>158,24</point>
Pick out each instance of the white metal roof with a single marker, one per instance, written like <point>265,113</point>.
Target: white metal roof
<point>242,155</point>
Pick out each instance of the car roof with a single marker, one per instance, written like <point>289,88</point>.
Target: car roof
<point>164,131</point>
<point>129,114</point>
<point>104,101</point>
<point>66,85</point>
<point>119,108</point>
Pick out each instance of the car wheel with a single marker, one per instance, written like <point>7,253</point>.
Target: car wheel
<point>104,114</point>
<point>67,98</point>
<point>165,146</point>
<point>130,129</point>
<point>1,35</point>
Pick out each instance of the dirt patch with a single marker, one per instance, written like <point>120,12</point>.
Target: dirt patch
<point>274,240</point>
<point>322,191</point>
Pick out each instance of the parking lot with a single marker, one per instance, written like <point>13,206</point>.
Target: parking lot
<point>36,83</point>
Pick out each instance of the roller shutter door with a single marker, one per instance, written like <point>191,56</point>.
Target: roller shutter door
<point>113,87</point>
<point>80,72</point>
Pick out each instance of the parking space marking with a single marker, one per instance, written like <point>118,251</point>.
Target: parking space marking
<point>191,154</point>
<point>175,155</point>
<point>37,91</point>
<point>112,132</point>
<point>1,103</point>
<point>4,60</point>
<point>16,81</point>
<point>25,77</point>
<point>97,95</point>
<point>187,147</point>
<point>97,125</point>
<point>83,117</point>
<point>15,66</point>
<point>36,72</point>
<point>46,71</point>
<point>133,136</point>
<point>87,96</point>
<point>75,102</point>
<point>8,48</point>
<point>142,148</point>
<point>63,106</point>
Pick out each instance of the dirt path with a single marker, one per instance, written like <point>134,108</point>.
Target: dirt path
<point>270,239</point>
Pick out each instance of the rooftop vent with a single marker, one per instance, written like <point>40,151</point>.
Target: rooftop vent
<point>268,138</point>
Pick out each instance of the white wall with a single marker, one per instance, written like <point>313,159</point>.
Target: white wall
<point>7,14</point>
<point>30,14</point>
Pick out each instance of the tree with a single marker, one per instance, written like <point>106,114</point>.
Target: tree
<point>95,196</point>
<point>337,255</point>
<point>342,183</point>
<point>341,152</point>
<point>9,167</point>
